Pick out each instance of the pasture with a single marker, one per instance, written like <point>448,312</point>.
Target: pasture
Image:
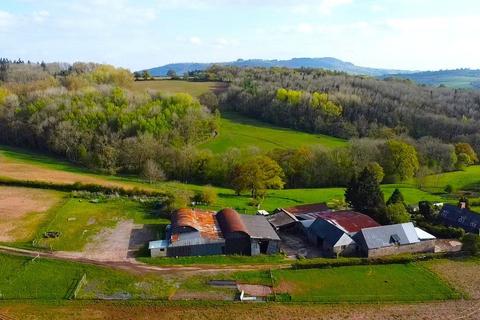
<point>469,179</point>
<point>177,86</point>
<point>237,131</point>
<point>81,222</point>
<point>23,278</point>
<point>22,165</point>
<point>22,210</point>
<point>392,282</point>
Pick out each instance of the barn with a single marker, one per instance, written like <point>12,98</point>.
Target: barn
<point>196,232</point>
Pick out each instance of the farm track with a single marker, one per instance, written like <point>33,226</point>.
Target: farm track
<point>133,266</point>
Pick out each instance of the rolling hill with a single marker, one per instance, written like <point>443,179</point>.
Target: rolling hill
<point>327,63</point>
<point>458,78</point>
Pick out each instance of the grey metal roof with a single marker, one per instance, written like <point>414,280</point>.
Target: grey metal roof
<point>386,236</point>
<point>281,219</point>
<point>258,227</point>
<point>327,231</point>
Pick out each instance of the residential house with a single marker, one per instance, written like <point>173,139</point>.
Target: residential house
<point>460,217</point>
<point>393,239</point>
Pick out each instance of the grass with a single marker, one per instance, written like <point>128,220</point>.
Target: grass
<point>79,220</point>
<point>47,279</point>
<point>242,132</point>
<point>469,179</point>
<point>177,86</point>
<point>394,282</point>
<point>215,260</point>
<point>226,197</point>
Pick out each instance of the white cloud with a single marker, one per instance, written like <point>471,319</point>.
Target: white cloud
<point>195,40</point>
<point>305,28</point>
<point>6,20</point>
<point>40,16</point>
<point>324,7</point>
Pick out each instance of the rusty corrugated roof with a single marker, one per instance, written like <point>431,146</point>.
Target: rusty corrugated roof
<point>202,221</point>
<point>350,221</point>
<point>230,221</point>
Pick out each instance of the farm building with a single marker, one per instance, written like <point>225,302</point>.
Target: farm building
<point>331,239</point>
<point>287,217</point>
<point>332,231</point>
<point>394,239</point>
<point>197,232</point>
<point>460,217</point>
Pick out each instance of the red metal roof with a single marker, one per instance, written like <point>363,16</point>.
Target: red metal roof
<point>308,208</point>
<point>230,221</point>
<point>350,221</point>
<point>202,221</point>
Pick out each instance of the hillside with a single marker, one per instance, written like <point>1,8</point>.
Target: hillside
<point>458,78</point>
<point>327,63</point>
<point>237,131</point>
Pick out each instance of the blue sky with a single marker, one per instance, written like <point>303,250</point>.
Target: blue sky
<point>403,34</point>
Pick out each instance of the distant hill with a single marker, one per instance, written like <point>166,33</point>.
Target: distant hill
<point>458,78</point>
<point>321,63</point>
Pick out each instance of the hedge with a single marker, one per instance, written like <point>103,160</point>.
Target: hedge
<point>341,262</point>
<point>78,186</point>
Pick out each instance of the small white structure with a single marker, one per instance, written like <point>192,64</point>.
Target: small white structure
<point>158,248</point>
<point>262,213</point>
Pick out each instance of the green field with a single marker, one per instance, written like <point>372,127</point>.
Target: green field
<point>79,220</point>
<point>215,260</point>
<point>177,86</point>
<point>393,282</point>
<point>469,179</point>
<point>226,197</point>
<point>47,279</point>
<point>241,132</point>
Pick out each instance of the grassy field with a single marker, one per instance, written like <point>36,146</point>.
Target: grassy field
<point>22,165</point>
<point>242,132</point>
<point>215,260</point>
<point>177,86</point>
<point>46,279</point>
<point>469,179</point>
<point>23,210</point>
<point>79,220</point>
<point>394,282</point>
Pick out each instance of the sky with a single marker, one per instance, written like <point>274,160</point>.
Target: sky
<point>138,34</point>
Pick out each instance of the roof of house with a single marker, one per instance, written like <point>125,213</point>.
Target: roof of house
<point>459,217</point>
<point>281,219</point>
<point>349,221</point>
<point>203,222</point>
<point>307,208</point>
<point>386,236</point>
<point>258,227</point>
<point>330,233</point>
<point>424,235</point>
<point>230,221</point>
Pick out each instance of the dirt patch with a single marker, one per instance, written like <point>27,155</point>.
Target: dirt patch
<point>464,310</point>
<point>31,172</point>
<point>255,290</point>
<point>114,244</point>
<point>463,275</point>
<point>22,210</point>
<point>219,295</point>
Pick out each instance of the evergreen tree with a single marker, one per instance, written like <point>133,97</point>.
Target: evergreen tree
<point>396,197</point>
<point>364,194</point>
